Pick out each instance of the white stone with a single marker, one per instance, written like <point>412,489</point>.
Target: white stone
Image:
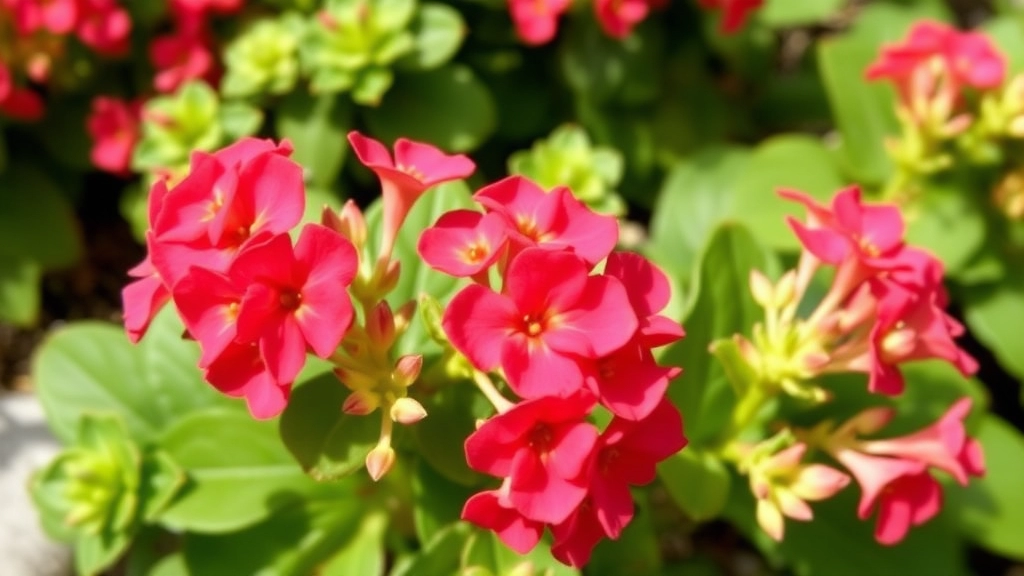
<point>26,445</point>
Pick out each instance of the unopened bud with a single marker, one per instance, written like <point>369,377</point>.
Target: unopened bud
<point>379,461</point>
<point>407,411</point>
<point>761,288</point>
<point>407,369</point>
<point>785,289</point>
<point>525,568</point>
<point>390,278</point>
<point>360,403</point>
<point>329,219</point>
<point>353,224</point>
<point>403,316</point>
<point>380,325</point>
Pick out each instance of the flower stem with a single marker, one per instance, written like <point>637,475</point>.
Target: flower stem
<point>483,382</point>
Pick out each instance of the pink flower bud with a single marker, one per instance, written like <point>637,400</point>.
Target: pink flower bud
<point>380,325</point>
<point>407,411</point>
<point>379,461</point>
<point>407,369</point>
<point>390,278</point>
<point>353,224</point>
<point>360,403</point>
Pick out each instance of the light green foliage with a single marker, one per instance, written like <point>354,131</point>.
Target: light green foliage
<point>175,125</point>
<point>264,58</point>
<point>352,44</point>
<point>97,492</point>
<point>567,158</point>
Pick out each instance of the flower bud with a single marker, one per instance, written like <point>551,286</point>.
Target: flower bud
<point>525,568</point>
<point>403,316</point>
<point>380,325</point>
<point>360,403</point>
<point>390,278</point>
<point>353,224</point>
<point>761,288</point>
<point>379,461</point>
<point>785,290</point>
<point>407,411</point>
<point>407,369</point>
<point>330,219</point>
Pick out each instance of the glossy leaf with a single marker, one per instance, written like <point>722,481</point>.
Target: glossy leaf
<point>37,222</point>
<point>238,471</point>
<point>994,314</point>
<point>448,107</point>
<point>438,31</point>
<point>327,443</point>
<point>949,224</point>
<point>91,366</point>
<point>992,510</point>
<point>317,127</point>
<point>698,482</point>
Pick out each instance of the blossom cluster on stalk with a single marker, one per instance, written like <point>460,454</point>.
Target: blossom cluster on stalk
<point>34,34</point>
<point>566,340</point>
<point>883,308</point>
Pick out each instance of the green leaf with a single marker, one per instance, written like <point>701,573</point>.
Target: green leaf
<point>697,481</point>
<point>740,373</point>
<point>19,290</point>
<point>992,510</point>
<point>160,482</point>
<point>438,500</point>
<point>171,565</point>
<point>417,277</point>
<point>485,551</point>
<point>864,111</point>
<point>63,133</point>
<point>294,541</point>
<point>363,553</point>
<point>37,222</point>
<point>438,31</point>
<point>722,306</point>
<point>96,552</point>
<point>91,366</point>
<point>786,13</point>
<point>994,314</point>
<point>695,198</point>
<point>448,106</point>
<point>788,161</point>
<point>440,555</point>
<point>949,223</point>
<point>635,552</point>
<point>327,443</point>
<point>451,417</point>
<point>239,472</point>
<point>239,119</point>
<point>1008,34</point>
<point>317,127</point>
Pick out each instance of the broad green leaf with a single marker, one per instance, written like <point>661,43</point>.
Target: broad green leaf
<point>438,500</point>
<point>161,479</point>
<point>327,443</point>
<point>448,107</point>
<point>722,306</point>
<point>785,13</point>
<point>694,199</point>
<point>95,553</point>
<point>864,111</point>
<point>992,510</point>
<point>238,471</point>
<point>239,119</point>
<point>37,222</point>
<point>451,417</point>
<point>363,554</point>
<point>740,373</point>
<point>440,555</point>
<point>19,290</point>
<point>294,541</point>
<point>438,31</point>
<point>171,565</point>
<point>949,223</point>
<point>697,481</point>
<point>602,69</point>
<point>417,277</point>
<point>788,161</point>
<point>995,315</point>
<point>317,127</point>
<point>91,366</point>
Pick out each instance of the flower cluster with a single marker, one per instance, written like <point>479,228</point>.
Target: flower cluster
<point>34,34</point>
<point>565,340</point>
<point>219,247</point>
<point>883,308</point>
<point>187,52</point>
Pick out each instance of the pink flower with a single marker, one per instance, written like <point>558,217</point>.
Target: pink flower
<point>556,219</point>
<point>970,58</point>
<point>104,26</point>
<point>17,102</point>
<point>463,243</point>
<point>618,17</point>
<point>416,167</point>
<point>536,21</point>
<point>734,12</point>
<point>55,16</point>
<point>493,510</point>
<point>628,381</point>
<point>551,315</point>
<point>649,292</point>
<point>239,372</point>
<point>543,447</point>
<point>208,303</point>
<point>576,538</point>
<point>114,127</point>
<point>179,57</point>
<point>142,299</point>
<point>295,298</point>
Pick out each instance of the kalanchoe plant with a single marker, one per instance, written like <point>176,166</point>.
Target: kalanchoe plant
<point>264,58</point>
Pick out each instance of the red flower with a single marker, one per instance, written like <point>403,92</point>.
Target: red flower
<point>543,447</point>
<point>416,167</point>
<point>492,510</point>
<point>463,243</point>
<point>550,317</point>
<point>104,26</point>
<point>618,17</point>
<point>295,298</point>
<point>241,373</point>
<point>179,57</point>
<point>536,21</point>
<point>114,127</point>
